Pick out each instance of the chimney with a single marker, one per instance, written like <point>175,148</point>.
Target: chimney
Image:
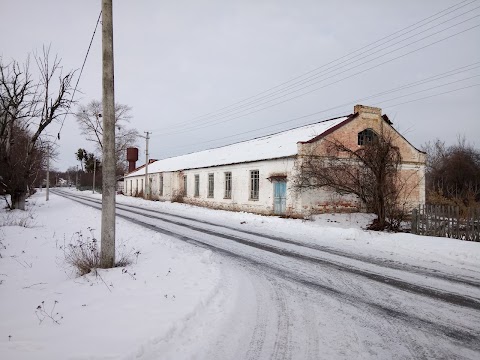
<point>367,111</point>
<point>132,157</point>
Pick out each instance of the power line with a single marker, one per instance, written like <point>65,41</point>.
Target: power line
<point>214,121</point>
<point>428,89</point>
<point>436,77</point>
<point>347,104</point>
<point>228,118</point>
<point>80,75</point>
<point>348,62</point>
<point>434,95</point>
<point>432,18</point>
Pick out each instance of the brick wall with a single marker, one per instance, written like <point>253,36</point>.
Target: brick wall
<point>413,160</point>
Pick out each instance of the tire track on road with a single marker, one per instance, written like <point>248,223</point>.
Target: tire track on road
<point>469,338</point>
<point>365,259</point>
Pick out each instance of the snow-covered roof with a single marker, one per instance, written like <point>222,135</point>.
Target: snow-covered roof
<point>274,146</point>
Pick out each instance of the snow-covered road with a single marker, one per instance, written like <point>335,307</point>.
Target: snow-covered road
<point>288,298</point>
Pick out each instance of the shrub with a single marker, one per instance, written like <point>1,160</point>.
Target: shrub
<point>178,196</point>
<point>16,218</point>
<point>83,254</point>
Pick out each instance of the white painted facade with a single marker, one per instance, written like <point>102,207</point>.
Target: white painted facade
<point>274,158</point>
<point>239,200</point>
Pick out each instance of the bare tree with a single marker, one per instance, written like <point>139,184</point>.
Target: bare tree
<point>27,108</point>
<point>370,172</point>
<point>453,173</point>
<point>89,118</point>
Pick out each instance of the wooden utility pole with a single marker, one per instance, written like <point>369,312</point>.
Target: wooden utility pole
<point>94,171</point>
<point>47,192</point>
<point>107,255</point>
<point>147,187</point>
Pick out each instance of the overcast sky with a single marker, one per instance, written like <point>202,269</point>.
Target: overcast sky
<point>177,61</point>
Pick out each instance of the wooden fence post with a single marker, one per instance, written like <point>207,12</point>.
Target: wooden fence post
<point>414,221</point>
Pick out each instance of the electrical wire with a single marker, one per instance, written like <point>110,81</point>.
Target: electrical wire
<point>346,63</point>
<point>414,26</point>
<point>343,105</point>
<point>227,119</point>
<point>436,77</point>
<point>430,96</point>
<point>80,75</point>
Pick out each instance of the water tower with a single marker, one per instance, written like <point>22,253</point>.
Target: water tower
<point>132,157</point>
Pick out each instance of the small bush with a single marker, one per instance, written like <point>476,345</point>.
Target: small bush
<point>178,196</point>
<point>84,254</point>
<point>24,219</point>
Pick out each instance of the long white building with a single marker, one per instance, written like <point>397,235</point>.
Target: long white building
<point>255,175</point>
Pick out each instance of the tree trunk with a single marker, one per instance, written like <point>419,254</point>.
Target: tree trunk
<point>381,213</point>
<point>18,200</point>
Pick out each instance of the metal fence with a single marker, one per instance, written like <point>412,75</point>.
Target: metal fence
<point>447,221</point>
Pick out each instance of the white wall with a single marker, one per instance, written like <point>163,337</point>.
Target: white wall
<point>240,199</point>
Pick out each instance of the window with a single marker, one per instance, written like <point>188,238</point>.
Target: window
<point>131,187</point>
<point>228,185</point>
<point>197,185</point>
<point>141,184</point>
<point>254,184</point>
<point>211,185</point>
<point>185,185</point>
<point>366,137</point>
<point>136,190</point>
<point>160,185</point>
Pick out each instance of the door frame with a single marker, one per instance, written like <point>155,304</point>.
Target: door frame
<point>283,199</point>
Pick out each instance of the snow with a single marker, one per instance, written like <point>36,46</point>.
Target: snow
<point>100,316</point>
<point>177,301</point>
<point>340,231</point>
<point>282,144</point>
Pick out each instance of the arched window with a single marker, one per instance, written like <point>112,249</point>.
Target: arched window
<point>366,136</point>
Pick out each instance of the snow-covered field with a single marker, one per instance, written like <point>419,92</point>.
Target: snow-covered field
<point>178,301</point>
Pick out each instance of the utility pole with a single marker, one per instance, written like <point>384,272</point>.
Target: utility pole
<point>147,187</point>
<point>94,170</point>
<point>48,174</point>
<point>107,255</point>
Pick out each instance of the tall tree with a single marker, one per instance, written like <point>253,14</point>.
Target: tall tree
<point>27,108</point>
<point>81,155</point>
<point>89,118</point>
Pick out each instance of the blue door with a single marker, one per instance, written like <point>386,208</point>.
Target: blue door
<point>280,196</point>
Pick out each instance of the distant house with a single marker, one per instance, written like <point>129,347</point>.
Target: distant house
<point>255,175</point>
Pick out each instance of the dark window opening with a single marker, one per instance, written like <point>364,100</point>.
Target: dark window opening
<point>366,136</point>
